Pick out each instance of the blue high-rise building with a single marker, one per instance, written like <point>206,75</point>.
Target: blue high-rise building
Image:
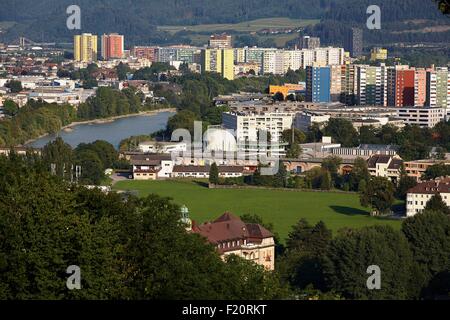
<point>318,84</point>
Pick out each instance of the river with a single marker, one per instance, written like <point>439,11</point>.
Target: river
<point>112,132</point>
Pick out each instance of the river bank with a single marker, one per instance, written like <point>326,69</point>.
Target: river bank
<point>69,127</point>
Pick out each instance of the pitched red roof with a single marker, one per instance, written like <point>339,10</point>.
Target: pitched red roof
<point>432,187</point>
<point>229,227</point>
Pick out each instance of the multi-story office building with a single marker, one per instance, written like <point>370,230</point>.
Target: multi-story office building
<point>318,82</point>
<point>221,41</point>
<point>308,42</point>
<point>112,46</point>
<point>371,85</point>
<point>218,60</point>
<point>354,42</point>
<point>85,47</point>
<point>421,116</point>
<point>401,86</point>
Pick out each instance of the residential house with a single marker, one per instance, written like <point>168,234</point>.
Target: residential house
<point>230,235</point>
<point>418,197</point>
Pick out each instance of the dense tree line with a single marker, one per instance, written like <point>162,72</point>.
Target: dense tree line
<point>127,248</point>
<point>93,158</point>
<point>36,118</point>
<point>131,248</point>
<point>316,264</point>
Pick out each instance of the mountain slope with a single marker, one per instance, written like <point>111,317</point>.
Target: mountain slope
<point>137,19</point>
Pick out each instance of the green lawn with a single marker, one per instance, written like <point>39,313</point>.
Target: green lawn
<point>247,26</point>
<point>282,208</point>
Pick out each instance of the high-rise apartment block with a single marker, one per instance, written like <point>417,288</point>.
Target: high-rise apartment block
<point>218,60</point>
<point>371,85</point>
<point>354,42</point>
<point>318,82</point>
<point>401,86</point>
<point>85,48</point>
<point>112,46</point>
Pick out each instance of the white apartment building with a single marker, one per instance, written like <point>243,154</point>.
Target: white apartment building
<point>418,197</point>
<point>274,62</point>
<point>247,124</point>
<point>421,116</point>
<point>307,58</point>
<point>280,61</point>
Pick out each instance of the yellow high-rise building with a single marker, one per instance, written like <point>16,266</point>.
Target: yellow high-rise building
<point>85,47</point>
<point>220,61</point>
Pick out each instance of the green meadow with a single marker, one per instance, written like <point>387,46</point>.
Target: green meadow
<point>280,207</point>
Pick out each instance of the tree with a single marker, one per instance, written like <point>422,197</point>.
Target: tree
<point>379,195</point>
<point>436,171</point>
<point>10,108</point>
<point>351,253</point>
<point>437,204</point>
<point>122,70</point>
<point>58,156</point>
<point>326,182</point>
<point>428,234</point>
<point>280,178</point>
<point>182,120</point>
<point>14,85</point>
<point>342,131</point>
<point>92,171</point>
<point>302,262</point>
<point>278,96</point>
<point>405,183</point>
<point>359,174</point>
<point>333,165</point>
<point>214,174</point>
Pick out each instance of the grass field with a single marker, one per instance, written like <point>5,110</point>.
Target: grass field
<point>248,26</point>
<point>282,208</point>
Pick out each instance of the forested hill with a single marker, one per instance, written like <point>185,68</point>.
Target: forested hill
<point>137,19</point>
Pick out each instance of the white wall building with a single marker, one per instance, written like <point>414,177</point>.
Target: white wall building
<point>418,197</point>
<point>421,116</point>
<point>162,147</point>
<point>247,124</point>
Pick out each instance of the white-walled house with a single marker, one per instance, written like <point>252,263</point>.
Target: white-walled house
<point>418,197</point>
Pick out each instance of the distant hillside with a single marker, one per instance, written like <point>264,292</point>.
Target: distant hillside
<point>137,19</point>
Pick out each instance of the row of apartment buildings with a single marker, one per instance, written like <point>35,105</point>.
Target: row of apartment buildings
<point>396,86</point>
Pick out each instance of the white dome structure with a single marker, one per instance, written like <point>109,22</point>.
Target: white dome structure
<point>218,139</point>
